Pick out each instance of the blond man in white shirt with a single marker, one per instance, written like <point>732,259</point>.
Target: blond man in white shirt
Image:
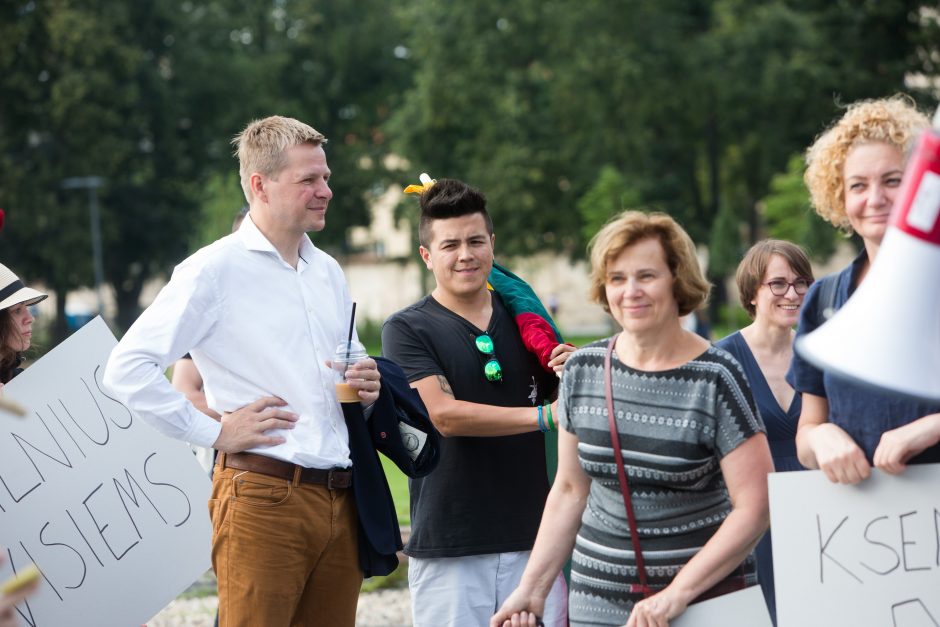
<point>260,311</point>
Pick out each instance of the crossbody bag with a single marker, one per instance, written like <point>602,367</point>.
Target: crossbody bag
<point>734,581</point>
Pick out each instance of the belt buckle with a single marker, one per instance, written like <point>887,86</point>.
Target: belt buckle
<point>330,480</point>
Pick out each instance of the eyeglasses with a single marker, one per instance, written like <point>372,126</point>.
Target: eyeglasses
<point>779,287</point>
<point>491,369</point>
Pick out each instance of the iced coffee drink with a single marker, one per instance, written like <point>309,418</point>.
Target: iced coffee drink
<point>345,355</point>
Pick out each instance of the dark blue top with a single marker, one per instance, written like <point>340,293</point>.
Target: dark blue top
<point>862,412</point>
<point>781,425</point>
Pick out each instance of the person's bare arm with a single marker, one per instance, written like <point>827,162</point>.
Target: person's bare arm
<point>188,380</point>
<point>823,445</point>
<point>555,540</point>
<point>897,446</point>
<point>559,356</point>
<point>745,472</point>
<point>453,418</point>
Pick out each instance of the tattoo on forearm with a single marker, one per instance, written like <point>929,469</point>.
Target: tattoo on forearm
<point>445,386</point>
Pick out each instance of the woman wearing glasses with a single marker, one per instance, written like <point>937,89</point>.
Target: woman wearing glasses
<point>853,173</point>
<point>772,280</point>
<point>663,506</point>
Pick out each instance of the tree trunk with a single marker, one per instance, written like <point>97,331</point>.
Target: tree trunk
<point>718,298</point>
<point>60,329</point>
<point>128,304</point>
<point>714,163</point>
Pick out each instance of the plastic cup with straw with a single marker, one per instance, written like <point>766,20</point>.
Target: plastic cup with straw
<point>345,355</point>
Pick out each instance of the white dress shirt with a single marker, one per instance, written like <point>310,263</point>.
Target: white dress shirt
<point>254,327</point>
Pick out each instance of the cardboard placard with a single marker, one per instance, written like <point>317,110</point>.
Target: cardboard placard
<point>744,608</point>
<point>860,555</point>
<point>112,512</point>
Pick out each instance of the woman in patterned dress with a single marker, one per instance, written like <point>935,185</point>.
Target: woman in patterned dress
<point>692,442</point>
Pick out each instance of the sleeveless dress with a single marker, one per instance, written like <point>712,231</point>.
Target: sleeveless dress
<point>781,435</point>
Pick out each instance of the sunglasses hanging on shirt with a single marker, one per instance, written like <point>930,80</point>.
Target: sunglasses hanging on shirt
<point>492,369</point>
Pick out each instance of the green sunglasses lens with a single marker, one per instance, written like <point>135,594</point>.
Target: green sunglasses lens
<point>485,344</point>
<point>493,371</point>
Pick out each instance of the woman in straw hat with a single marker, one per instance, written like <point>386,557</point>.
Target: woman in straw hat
<point>16,322</point>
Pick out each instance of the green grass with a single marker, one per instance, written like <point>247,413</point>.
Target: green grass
<point>398,484</point>
<point>398,579</point>
<point>581,340</point>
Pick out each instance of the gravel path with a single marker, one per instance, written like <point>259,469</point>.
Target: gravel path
<point>382,608</point>
<point>386,607</point>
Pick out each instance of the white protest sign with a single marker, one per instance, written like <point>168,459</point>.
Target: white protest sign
<point>744,608</point>
<point>865,555</point>
<point>112,512</point>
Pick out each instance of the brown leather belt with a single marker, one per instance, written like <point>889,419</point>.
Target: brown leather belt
<point>333,478</point>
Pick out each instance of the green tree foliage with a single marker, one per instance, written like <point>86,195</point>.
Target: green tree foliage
<point>610,195</point>
<point>788,214</point>
<point>220,202</point>
<point>148,96</point>
<point>331,64</point>
<point>697,104</point>
<point>85,94</point>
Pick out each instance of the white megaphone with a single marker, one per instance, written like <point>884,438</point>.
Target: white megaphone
<point>887,335</point>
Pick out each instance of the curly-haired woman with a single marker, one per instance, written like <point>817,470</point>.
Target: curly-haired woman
<point>854,171</point>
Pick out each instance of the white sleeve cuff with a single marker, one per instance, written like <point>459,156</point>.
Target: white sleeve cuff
<point>205,431</point>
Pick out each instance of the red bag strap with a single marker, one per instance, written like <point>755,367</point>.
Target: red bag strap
<point>622,474</point>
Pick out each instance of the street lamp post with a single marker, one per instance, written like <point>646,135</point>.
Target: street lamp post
<point>92,183</point>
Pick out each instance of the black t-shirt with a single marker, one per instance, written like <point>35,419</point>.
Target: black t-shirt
<point>487,493</point>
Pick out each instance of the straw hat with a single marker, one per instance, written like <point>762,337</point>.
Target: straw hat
<point>13,292</point>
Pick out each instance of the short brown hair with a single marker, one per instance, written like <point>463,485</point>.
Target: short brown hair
<point>894,121</point>
<point>753,267</point>
<point>261,146</point>
<point>690,288</point>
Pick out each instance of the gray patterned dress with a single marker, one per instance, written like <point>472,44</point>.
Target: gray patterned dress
<point>675,426</point>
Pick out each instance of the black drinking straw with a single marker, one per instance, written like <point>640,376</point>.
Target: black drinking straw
<point>352,325</point>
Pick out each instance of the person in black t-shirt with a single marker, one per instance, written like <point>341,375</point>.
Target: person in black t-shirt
<point>474,519</point>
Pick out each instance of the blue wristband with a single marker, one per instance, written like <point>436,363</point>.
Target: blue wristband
<point>541,420</point>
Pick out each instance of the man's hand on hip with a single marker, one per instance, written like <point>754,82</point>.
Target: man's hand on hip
<point>247,427</point>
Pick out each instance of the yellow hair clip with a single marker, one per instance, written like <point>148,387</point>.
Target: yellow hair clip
<point>426,183</point>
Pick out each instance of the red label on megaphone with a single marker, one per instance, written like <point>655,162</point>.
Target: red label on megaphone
<point>917,211</point>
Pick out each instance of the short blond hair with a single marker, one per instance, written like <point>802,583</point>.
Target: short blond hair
<point>630,227</point>
<point>261,147</point>
<point>894,121</point>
